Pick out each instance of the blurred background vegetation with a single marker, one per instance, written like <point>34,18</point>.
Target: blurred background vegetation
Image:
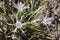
<point>21,19</point>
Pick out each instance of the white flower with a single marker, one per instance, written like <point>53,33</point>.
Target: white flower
<point>48,21</point>
<point>20,6</point>
<point>18,24</point>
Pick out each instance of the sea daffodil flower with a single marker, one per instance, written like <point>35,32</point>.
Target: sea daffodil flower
<point>47,21</point>
<point>20,6</point>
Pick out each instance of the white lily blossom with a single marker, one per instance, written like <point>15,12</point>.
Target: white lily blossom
<point>48,21</point>
<point>18,24</point>
<point>20,6</point>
